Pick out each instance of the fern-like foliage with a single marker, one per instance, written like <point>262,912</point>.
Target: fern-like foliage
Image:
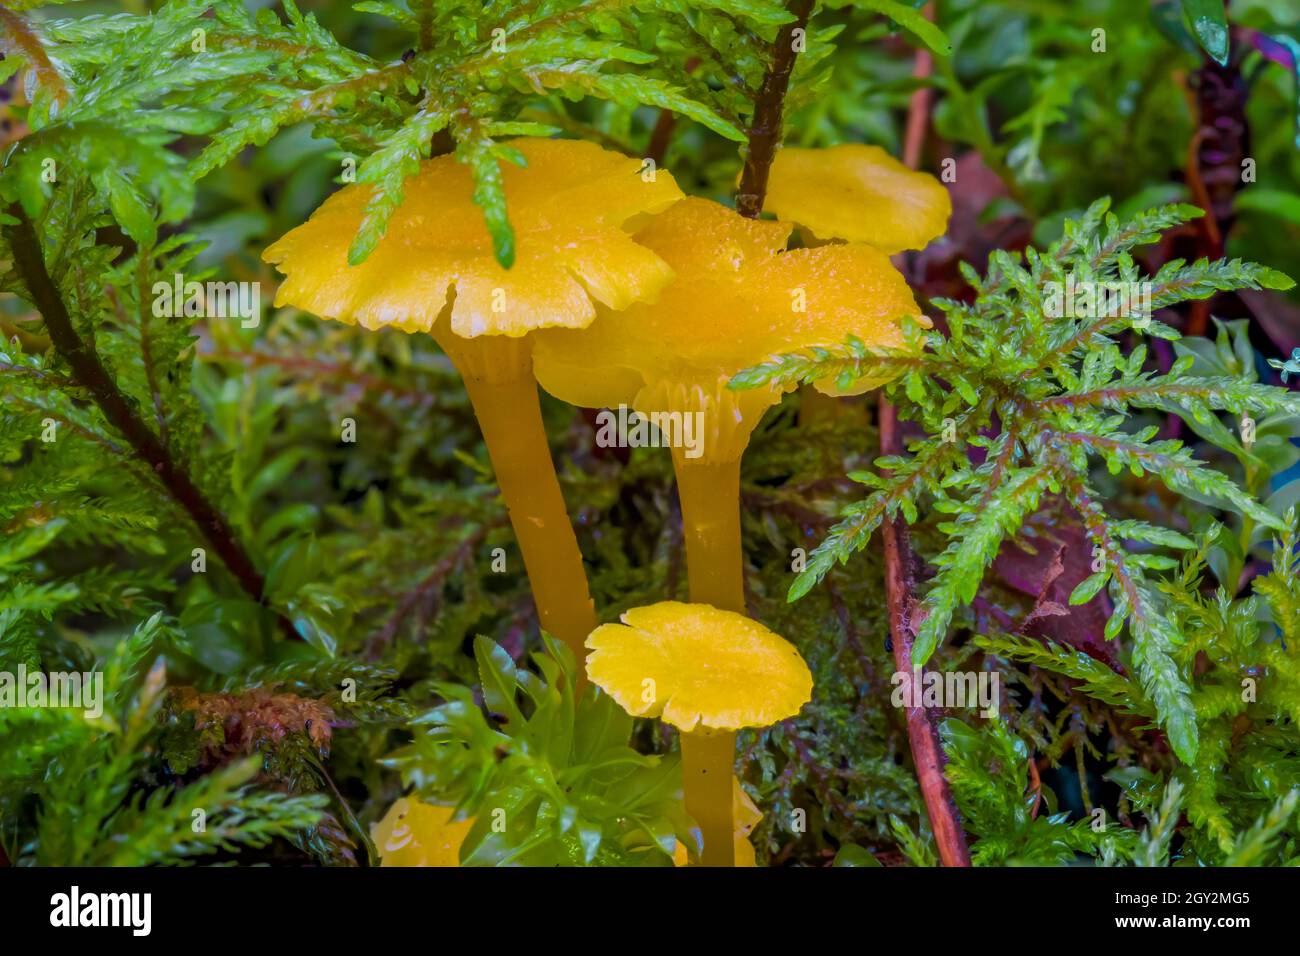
<point>1017,405</point>
<point>1017,824</point>
<point>1238,791</point>
<point>473,73</point>
<point>70,786</point>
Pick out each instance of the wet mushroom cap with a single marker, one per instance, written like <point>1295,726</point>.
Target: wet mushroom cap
<point>738,298</point>
<point>568,207</point>
<point>414,833</point>
<point>698,668</point>
<point>860,194</point>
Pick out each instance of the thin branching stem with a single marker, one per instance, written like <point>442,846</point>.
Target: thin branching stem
<point>89,371</point>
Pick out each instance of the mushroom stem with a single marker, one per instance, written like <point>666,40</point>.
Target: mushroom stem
<point>710,500</point>
<point>497,372</point>
<point>708,762</point>
<point>709,492</point>
<point>817,407</point>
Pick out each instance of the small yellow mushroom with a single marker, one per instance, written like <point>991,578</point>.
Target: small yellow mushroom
<point>857,193</point>
<point>739,298</point>
<point>860,194</point>
<point>414,833</point>
<point>708,672</point>
<point>434,271</point>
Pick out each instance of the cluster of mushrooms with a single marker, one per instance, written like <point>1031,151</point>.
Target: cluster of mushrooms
<point>626,292</point>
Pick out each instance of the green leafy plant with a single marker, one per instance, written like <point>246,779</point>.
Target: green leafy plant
<point>1040,398</point>
<point>71,784</point>
<point>559,784</point>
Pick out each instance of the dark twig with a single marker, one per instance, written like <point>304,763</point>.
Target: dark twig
<point>90,373</point>
<point>851,638</point>
<point>766,130</point>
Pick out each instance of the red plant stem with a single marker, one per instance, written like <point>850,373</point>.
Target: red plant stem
<point>90,373</point>
<point>767,128</point>
<point>922,730</point>
<point>918,106</point>
<point>423,593</point>
<point>1215,156</point>
<point>661,136</point>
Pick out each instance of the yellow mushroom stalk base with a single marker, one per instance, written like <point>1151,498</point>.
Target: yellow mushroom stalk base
<point>708,759</point>
<point>710,500</point>
<point>498,377</point>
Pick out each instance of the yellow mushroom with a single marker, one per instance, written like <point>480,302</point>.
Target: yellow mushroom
<point>860,194</point>
<point>708,672</point>
<point>414,833</point>
<point>739,298</point>
<point>857,193</point>
<point>434,271</point>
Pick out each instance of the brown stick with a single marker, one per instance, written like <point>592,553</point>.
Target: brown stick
<point>89,371</point>
<point>661,136</point>
<point>922,730</point>
<point>767,127</point>
<point>918,106</point>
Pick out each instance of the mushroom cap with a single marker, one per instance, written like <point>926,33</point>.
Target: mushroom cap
<point>414,833</point>
<point>567,206</point>
<point>733,304</point>
<point>698,667</point>
<point>859,193</point>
